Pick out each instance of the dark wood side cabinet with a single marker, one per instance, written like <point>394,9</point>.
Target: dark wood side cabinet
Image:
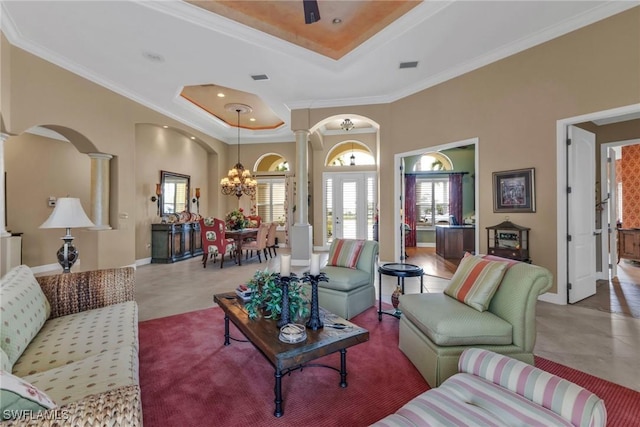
<point>628,244</point>
<point>452,241</point>
<point>509,240</point>
<point>175,242</point>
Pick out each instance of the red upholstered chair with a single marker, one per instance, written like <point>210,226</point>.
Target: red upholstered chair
<point>212,231</point>
<point>254,221</point>
<point>271,239</point>
<point>260,243</point>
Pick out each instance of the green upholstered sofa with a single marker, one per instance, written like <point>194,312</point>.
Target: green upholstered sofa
<point>73,337</point>
<point>350,291</point>
<point>435,328</point>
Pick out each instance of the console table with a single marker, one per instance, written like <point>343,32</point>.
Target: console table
<point>175,242</point>
<point>629,244</point>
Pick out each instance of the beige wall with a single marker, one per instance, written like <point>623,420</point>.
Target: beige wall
<point>164,149</point>
<point>67,173</point>
<point>44,94</point>
<point>512,106</point>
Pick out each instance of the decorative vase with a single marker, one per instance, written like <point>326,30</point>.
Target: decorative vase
<point>395,298</point>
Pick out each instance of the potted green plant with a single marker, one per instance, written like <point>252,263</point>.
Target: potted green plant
<point>266,297</point>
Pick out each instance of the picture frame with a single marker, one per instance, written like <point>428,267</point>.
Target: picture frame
<point>514,191</point>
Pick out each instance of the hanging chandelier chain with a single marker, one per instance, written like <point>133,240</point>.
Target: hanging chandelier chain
<point>239,181</point>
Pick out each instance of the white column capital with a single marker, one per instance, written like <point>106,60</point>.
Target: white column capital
<point>100,156</point>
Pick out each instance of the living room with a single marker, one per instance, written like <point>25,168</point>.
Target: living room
<point>511,106</point>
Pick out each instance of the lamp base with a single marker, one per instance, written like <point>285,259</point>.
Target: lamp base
<point>67,255</point>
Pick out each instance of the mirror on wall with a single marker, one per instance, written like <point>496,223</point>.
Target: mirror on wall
<point>175,192</point>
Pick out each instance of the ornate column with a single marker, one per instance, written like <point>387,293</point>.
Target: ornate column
<point>302,176</point>
<point>3,229</point>
<point>100,176</point>
<point>301,232</point>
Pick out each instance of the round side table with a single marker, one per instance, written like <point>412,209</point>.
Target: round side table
<point>400,271</point>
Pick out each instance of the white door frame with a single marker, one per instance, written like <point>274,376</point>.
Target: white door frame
<point>604,177</point>
<point>561,195</point>
<point>397,185</point>
<point>364,174</point>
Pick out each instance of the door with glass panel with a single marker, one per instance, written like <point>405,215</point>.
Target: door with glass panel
<point>349,205</point>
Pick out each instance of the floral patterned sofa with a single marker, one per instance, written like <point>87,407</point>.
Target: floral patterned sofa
<point>69,349</point>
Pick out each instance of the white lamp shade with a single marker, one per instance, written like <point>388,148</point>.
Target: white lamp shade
<point>68,213</point>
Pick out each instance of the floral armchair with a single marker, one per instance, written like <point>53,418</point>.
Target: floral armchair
<point>214,242</point>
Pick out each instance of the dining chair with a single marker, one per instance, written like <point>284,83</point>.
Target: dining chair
<point>254,221</point>
<point>260,243</point>
<point>271,239</point>
<point>214,241</point>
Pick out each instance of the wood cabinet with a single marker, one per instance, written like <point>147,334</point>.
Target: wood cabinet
<point>628,244</point>
<point>175,242</point>
<point>508,240</point>
<point>452,241</point>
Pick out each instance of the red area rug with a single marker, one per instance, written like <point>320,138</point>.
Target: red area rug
<point>189,378</point>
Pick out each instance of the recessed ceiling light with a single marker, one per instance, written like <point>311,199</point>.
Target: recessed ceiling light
<point>165,126</point>
<point>337,21</point>
<point>193,137</point>
<point>220,95</point>
<point>252,119</point>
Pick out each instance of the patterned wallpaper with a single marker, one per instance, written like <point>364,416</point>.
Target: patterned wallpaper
<point>630,168</point>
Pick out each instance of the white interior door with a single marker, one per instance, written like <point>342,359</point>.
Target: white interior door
<point>581,214</point>
<point>403,249</point>
<point>613,213</point>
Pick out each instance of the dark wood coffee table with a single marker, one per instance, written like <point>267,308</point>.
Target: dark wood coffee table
<point>263,334</point>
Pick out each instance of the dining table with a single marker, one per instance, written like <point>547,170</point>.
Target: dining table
<point>239,236</point>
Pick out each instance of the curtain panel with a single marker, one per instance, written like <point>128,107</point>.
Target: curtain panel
<point>410,211</point>
<point>455,196</point>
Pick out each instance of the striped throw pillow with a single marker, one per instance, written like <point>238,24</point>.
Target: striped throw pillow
<point>345,253</point>
<point>476,281</point>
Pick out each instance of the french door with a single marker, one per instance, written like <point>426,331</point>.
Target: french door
<point>349,205</point>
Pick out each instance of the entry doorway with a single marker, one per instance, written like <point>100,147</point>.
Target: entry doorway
<point>349,200</point>
<point>565,263</point>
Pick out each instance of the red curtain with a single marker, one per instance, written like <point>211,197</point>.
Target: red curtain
<point>455,196</point>
<point>410,210</point>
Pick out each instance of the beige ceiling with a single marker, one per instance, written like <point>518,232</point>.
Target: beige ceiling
<point>358,21</point>
<point>208,97</point>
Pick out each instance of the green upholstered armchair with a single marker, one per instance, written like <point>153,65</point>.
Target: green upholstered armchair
<point>350,291</point>
<point>435,328</point>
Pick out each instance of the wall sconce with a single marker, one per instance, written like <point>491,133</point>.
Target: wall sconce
<point>156,198</point>
<point>196,199</point>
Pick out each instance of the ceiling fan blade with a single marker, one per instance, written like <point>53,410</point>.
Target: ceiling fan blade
<point>311,11</point>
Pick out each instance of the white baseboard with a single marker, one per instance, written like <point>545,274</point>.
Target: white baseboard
<point>426,245</point>
<point>143,261</point>
<point>553,298</point>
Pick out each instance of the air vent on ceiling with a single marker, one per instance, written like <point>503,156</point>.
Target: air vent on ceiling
<point>410,64</point>
<point>208,85</point>
<point>260,77</point>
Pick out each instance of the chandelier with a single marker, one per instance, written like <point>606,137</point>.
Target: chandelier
<point>238,181</point>
<point>347,125</point>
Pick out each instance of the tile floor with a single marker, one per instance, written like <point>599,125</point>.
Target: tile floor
<point>598,342</point>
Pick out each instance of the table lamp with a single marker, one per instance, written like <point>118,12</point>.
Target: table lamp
<point>68,214</point>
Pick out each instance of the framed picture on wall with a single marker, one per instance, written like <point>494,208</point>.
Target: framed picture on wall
<point>514,191</point>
